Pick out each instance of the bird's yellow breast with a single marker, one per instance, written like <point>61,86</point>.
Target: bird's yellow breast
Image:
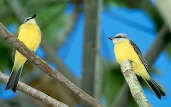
<point>29,33</point>
<point>125,51</point>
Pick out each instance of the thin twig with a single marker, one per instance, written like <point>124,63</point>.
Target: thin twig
<point>50,49</point>
<point>34,93</point>
<point>134,85</point>
<point>158,45</point>
<point>62,67</point>
<point>6,35</point>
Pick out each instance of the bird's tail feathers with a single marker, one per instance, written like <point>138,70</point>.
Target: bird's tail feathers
<point>157,89</point>
<point>13,80</point>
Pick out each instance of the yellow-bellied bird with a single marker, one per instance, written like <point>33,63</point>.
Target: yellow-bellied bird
<point>124,50</point>
<point>29,33</point>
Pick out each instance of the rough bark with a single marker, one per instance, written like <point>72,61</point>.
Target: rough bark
<point>11,39</point>
<point>134,85</point>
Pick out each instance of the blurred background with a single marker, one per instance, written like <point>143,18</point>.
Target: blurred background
<point>75,42</point>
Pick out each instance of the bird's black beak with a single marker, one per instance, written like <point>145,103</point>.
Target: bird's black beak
<point>34,15</point>
<point>110,38</point>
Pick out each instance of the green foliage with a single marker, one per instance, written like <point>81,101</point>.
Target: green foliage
<point>51,19</point>
<point>5,55</point>
<point>132,102</point>
<point>6,15</point>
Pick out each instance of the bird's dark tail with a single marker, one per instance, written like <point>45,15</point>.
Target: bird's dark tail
<point>156,88</point>
<point>13,80</point>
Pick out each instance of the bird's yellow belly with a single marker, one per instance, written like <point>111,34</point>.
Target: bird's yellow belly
<point>30,35</point>
<point>124,51</point>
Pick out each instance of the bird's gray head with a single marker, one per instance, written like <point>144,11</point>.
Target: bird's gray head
<point>119,37</point>
<point>30,19</point>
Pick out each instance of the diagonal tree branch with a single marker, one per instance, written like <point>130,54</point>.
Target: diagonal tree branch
<point>134,85</point>
<point>34,93</point>
<point>158,45</point>
<point>52,56</point>
<point>11,39</point>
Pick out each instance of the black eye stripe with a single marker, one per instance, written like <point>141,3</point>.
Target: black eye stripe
<point>120,37</point>
<point>29,18</point>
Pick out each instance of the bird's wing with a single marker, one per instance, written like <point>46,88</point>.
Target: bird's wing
<point>137,50</point>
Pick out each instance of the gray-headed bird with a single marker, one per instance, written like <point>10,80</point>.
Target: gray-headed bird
<point>125,49</point>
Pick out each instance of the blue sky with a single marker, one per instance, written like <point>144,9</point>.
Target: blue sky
<point>139,27</point>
